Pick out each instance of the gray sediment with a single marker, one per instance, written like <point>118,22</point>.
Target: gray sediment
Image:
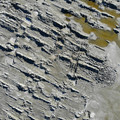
<point>49,68</point>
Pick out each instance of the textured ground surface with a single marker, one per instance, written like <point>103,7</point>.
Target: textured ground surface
<point>49,70</point>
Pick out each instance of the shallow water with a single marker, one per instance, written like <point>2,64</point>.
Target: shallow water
<point>92,4</point>
<point>102,36</point>
<point>108,10</point>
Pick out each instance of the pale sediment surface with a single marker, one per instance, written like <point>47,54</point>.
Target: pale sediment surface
<point>60,60</point>
<point>105,102</point>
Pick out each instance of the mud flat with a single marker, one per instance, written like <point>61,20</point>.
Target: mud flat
<point>60,60</point>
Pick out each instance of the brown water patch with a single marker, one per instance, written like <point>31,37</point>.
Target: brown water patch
<point>93,4</point>
<point>111,22</point>
<point>112,12</point>
<point>68,15</point>
<point>102,36</point>
<point>107,10</point>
